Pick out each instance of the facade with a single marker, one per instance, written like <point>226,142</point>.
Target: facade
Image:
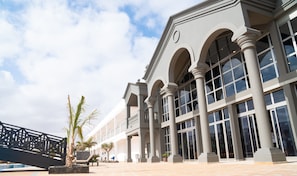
<point>222,84</point>
<point>113,129</point>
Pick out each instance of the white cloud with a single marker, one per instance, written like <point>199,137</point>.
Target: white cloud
<point>77,48</point>
<point>9,41</point>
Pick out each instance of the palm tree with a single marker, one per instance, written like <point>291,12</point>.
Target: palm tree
<point>107,148</point>
<point>75,127</point>
<point>82,145</point>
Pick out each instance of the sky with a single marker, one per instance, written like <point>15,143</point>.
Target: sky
<point>50,49</point>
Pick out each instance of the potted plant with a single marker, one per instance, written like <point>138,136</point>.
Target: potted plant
<point>75,129</point>
<point>165,156</point>
<point>75,126</point>
<point>107,148</point>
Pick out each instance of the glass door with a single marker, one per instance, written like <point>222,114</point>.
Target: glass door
<point>281,132</point>
<point>249,135</point>
<point>220,134</point>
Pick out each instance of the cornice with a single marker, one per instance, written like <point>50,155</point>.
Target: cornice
<point>266,5</point>
<point>284,7</point>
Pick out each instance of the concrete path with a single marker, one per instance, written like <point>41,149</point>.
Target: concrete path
<point>243,168</point>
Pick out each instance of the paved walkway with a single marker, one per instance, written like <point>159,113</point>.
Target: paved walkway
<point>243,168</point>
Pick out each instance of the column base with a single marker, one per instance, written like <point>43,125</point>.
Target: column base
<point>269,155</point>
<point>129,160</point>
<point>208,157</point>
<point>142,160</point>
<point>175,159</point>
<point>153,159</point>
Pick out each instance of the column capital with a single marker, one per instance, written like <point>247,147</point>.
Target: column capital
<point>169,89</point>
<point>150,101</point>
<point>246,37</point>
<point>198,70</point>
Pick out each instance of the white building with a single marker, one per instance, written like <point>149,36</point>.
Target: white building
<point>113,129</point>
<point>221,85</point>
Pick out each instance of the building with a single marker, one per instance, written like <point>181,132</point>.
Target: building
<point>222,84</point>
<point>111,129</point>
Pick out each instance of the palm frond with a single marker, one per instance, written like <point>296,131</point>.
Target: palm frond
<point>90,117</point>
<point>80,133</point>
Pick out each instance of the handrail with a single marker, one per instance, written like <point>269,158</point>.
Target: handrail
<point>31,141</point>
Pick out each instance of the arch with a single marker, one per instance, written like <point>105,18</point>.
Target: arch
<point>210,37</point>
<point>183,51</point>
<point>158,84</point>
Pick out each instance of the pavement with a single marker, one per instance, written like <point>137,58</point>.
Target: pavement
<point>188,168</point>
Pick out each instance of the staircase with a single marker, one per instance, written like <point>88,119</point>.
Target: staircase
<point>21,145</point>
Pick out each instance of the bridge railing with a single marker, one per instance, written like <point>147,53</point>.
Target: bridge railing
<point>27,140</point>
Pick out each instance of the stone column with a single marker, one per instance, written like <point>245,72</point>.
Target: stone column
<point>153,158</point>
<point>246,39</point>
<point>174,156</point>
<point>140,102</point>
<point>129,159</point>
<point>235,133</point>
<point>128,114</point>
<point>207,155</point>
<point>142,146</point>
<point>198,136</point>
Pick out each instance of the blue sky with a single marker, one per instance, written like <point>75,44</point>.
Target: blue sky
<point>50,49</point>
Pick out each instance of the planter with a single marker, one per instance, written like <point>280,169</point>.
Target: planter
<point>68,170</point>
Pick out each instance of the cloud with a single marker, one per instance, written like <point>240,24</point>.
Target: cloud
<point>51,49</point>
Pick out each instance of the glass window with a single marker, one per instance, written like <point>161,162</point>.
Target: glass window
<point>189,123</point>
<point>217,82</point>
<point>228,75</point>
<point>219,94</point>
<point>268,73</point>
<point>223,47</point>
<point>208,76</point>
<point>236,60</point>
<point>294,25</point>
<point>165,113</point>
<point>288,34</point>
<point>292,62</point>
<point>267,62</point>
<point>218,115</point>
<point>178,126</point>
<point>265,58</point>
<point>241,108</point>
<point>238,72</point>
<point>194,95</point>
<point>240,85</point>
<point>262,44</point>
<point>250,105</point>
<point>226,66</point>
<point>278,96</point>
<point>286,131</point>
<point>230,90</point>
<point>183,125</point>
<point>284,30</point>
<point>216,71</point>
<point>209,87</point>
<point>210,118</point>
<point>268,99</point>
<point>289,47</point>
<point>186,97</point>
<point>210,98</point>
<point>226,113</point>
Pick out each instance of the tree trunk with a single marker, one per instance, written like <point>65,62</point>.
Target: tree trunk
<point>69,156</point>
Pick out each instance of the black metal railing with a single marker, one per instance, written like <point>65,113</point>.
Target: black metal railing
<point>30,141</point>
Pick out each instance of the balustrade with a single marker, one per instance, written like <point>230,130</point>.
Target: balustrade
<point>26,140</point>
